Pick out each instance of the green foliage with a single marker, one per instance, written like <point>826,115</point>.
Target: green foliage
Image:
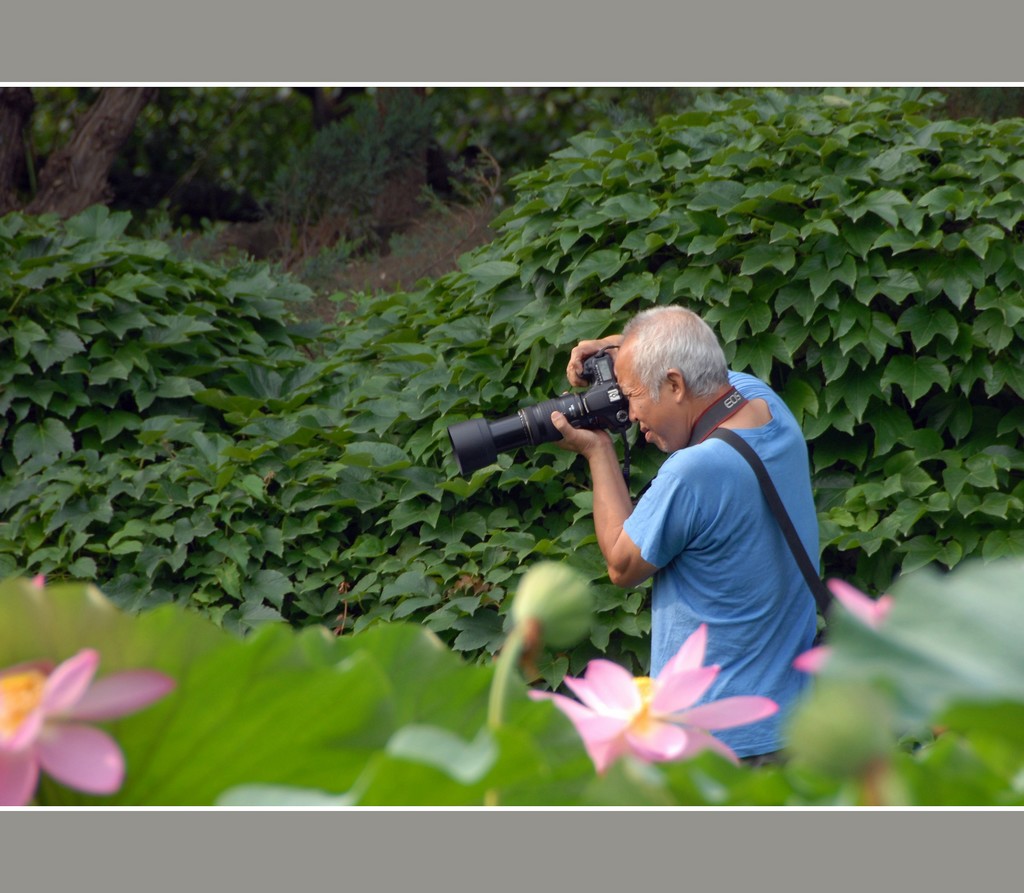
<point>853,248</point>
<point>859,254</point>
<point>924,711</point>
<point>166,431</point>
<point>376,720</point>
<point>439,548</point>
<point>948,637</point>
<point>120,459</point>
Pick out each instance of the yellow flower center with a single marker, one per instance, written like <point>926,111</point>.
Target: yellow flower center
<point>20,694</point>
<point>645,686</point>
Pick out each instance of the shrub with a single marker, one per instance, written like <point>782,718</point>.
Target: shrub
<point>119,461</point>
<point>327,189</point>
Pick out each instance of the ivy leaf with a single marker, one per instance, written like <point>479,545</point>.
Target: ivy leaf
<point>978,238</point>
<point>719,196</point>
<point>45,442</point>
<point>178,386</point>
<point>923,551</point>
<point>481,631</point>
<point>1003,544</point>
<point>856,391</point>
<point>886,203</point>
<point>998,505</point>
<point>757,352</point>
<point>925,323</point>
<point>915,376</point>
<point>1006,372</point>
<point>379,455</point>
<point>27,334</point>
<point>782,258</point>
<point>892,426</point>
<point>267,585</point>
<point>630,287</point>
<point>862,234</point>
<point>630,207</point>
<point>800,396</point>
<point>1009,303</point>
<point>82,569</point>
<point>603,263</point>
<point>64,344</point>
<point>113,370</point>
<point>97,223</point>
<point>898,285</point>
<point>941,198</point>
<point>901,241</point>
<point>109,423</point>
<point>492,273</point>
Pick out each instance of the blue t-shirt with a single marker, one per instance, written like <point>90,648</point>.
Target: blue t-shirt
<point>722,560</point>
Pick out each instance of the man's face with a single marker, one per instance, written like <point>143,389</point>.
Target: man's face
<point>662,423</point>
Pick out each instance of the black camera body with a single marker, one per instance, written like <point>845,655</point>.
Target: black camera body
<point>477,442</point>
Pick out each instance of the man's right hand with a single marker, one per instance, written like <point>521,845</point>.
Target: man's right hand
<point>574,371</point>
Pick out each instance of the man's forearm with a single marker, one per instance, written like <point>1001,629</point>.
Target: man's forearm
<point>612,506</point>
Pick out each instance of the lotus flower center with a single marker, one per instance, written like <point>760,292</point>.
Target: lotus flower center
<point>645,686</point>
<point>20,694</point>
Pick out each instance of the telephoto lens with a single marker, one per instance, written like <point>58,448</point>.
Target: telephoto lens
<point>477,442</point>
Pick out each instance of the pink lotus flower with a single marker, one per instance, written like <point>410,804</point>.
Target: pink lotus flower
<point>42,711</point>
<point>869,611</point>
<point>653,718</point>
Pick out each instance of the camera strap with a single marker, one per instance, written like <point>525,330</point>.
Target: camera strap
<point>723,408</point>
<point>821,594</point>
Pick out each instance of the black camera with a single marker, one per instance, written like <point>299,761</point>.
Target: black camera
<point>477,442</point>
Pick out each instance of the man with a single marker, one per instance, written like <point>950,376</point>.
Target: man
<point>703,530</point>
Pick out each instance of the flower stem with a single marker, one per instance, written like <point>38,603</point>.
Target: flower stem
<point>504,668</point>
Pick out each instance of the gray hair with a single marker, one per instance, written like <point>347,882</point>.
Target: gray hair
<point>664,338</point>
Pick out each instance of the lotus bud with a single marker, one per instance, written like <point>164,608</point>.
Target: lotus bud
<point>841,730</point>
<point>558,599</point>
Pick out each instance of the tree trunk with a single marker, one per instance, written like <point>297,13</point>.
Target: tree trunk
<point>75,176</point>
<point>16,104</point>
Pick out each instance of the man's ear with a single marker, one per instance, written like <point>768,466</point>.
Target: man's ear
<point>677,385</point>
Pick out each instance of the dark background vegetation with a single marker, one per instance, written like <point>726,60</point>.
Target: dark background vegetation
<point>346,186</point>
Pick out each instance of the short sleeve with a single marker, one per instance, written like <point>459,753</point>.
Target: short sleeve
<point>665,520</point>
